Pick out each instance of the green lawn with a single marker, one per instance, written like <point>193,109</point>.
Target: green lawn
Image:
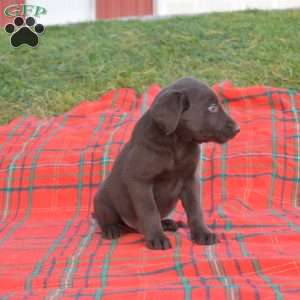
<point>79,62</point>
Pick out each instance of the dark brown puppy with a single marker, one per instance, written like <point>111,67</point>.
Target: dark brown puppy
<point>157,166</point>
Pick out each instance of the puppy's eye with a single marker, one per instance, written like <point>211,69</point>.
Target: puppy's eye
<point>213,108</point>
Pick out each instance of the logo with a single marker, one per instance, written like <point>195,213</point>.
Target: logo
<point>16,10</point>
<point>24,30</point>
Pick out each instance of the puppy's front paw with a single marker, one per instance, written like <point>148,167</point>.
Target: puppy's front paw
<point>111,232</point>
<point>205,237</point>
<point>159,242</point>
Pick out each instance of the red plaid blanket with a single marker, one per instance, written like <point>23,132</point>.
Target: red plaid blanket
<point>50,169</point>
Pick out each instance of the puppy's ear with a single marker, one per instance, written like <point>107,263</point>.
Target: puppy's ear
<point>167,109</point>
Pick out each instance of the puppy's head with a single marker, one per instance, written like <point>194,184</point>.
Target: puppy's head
<point>193,111</point>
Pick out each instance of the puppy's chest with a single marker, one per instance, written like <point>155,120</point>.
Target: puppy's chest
<point>182,153</point>
<point>184,156</point>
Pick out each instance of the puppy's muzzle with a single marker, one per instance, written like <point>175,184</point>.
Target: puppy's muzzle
<point>232,128</point>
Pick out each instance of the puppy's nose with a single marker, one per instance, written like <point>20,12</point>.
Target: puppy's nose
<point>233,126</point>
<point>236,129</point>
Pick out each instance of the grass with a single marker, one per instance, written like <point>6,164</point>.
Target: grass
<point>81,61</point>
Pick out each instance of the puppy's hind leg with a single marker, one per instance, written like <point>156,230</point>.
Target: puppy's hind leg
<point>108,220</point>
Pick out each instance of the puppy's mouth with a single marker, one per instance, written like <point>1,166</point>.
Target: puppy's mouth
<point>202,139</point>
<point>219,137</point>
<point>223,138</point>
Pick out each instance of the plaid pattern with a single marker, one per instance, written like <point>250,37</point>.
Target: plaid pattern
<point>50,169</point>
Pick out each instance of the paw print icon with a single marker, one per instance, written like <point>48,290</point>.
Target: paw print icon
<point>24,32</point>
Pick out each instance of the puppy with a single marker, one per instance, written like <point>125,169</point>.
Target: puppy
<point>158,164</point>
